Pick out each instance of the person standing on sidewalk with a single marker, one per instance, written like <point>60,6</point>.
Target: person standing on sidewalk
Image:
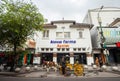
<point>63,65</point>
<point>97,61</point>
<point>101,62</point>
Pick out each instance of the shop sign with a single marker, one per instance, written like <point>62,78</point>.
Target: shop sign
<point>62,41</point>
<point>111,32</point>
<point>36,60</point>
<point>63,46</point>
<point>112,35</point>
<point>31,44</point>
<point>118,44</point>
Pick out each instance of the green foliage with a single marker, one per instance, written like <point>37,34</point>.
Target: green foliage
<point>18,20</point>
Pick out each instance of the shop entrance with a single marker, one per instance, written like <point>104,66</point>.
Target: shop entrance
<point>60,55</point>
<point>46,57</point>
<point>114,56</point>
<point>96,56</point>
<point>80,57</point>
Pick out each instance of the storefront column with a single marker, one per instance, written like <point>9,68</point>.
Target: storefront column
<point>71,58</point>
<point>106,52</point>
<point>89,59</point>
<point>55,58</point>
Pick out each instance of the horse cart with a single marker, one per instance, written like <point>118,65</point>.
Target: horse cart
<point>76,69</point>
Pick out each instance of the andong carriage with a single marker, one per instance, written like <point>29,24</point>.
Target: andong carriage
<point>76,69</point>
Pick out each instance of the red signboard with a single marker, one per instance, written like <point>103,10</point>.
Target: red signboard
<point>118,44</point>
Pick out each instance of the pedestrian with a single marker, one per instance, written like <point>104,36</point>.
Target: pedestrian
<point>97,61</point>
<point>101,62</point>
<point>63,65</point>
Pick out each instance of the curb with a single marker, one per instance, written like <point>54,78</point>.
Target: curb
<point>115,72</point>
<point>8,73</point>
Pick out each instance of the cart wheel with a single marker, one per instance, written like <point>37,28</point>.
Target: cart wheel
<point>60,70</point>
<point>78,71</point>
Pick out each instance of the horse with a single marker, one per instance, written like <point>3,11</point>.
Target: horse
<point>49,63</point>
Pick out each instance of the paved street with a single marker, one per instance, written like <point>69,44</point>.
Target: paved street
<point>60,79</point>
<point>55,76</point>
<point>44,74</point>
<point>40,73</point>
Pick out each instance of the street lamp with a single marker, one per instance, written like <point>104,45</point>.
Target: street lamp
<point>100,24</point>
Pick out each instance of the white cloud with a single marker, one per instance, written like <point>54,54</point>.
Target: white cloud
<point>70,9</point>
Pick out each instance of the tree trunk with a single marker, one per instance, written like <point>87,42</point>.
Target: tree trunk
<point>13,65</point>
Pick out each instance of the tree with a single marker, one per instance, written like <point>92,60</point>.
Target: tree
<point>18,20</point>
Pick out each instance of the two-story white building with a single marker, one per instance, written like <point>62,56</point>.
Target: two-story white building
<point>64,38</point>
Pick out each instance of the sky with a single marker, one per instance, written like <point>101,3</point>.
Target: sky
<point>70,9</point>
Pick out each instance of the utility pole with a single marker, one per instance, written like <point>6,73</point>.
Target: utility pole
<point>102,38</point>
<point>100,25</point>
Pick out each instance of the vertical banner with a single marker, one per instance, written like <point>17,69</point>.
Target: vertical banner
<point>25,59</point>
<point>31,60</point>
<point>20,60</point>
<point>28,59</point>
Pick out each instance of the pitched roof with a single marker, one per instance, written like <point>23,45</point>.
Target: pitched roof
<point>73,24</point>
<point>63,21</point>
<point>49,25</point>
<point>82,25</point>
<point>115,21</point>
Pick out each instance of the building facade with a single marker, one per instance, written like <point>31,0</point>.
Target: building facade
<point>64,38</point>
<point>114,39</point>
<point>104,25</point>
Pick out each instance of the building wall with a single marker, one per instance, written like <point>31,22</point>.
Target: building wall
<point>84,42</point>
<point>107,15</point>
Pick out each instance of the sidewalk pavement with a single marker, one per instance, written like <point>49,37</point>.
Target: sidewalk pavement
<point>41,72</point>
